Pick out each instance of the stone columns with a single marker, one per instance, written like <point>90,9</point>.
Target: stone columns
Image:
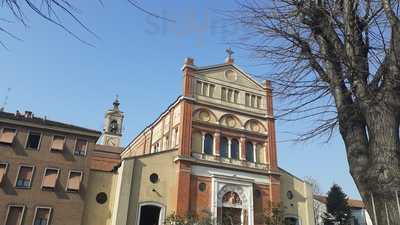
<point>242,148</point>
<point>254,151</point>
<point>217,144</point>
<point>229,147</point>
<point>203,137</point>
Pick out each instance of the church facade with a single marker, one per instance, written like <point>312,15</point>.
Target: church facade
<point>212,152</point>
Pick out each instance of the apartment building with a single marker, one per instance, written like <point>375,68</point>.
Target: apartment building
<point>44,170</point>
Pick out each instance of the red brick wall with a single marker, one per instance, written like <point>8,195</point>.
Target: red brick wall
<point>200,201</point>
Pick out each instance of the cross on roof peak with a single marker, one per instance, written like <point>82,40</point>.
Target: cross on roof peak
<point>230,52</point>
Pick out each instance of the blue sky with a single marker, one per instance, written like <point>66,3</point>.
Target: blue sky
<point>139,58</point>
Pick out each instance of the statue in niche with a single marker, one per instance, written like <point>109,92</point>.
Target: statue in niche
<point>231,198</point>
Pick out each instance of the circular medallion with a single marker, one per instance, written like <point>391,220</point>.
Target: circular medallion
<point>230,75</point>
<point>101,198</point>
<point>254,126</point>
<point>230,121</point>
<point>204,116</point>
<point>154,178</point>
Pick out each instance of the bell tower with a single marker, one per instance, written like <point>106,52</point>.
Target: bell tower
<point>113,121</point>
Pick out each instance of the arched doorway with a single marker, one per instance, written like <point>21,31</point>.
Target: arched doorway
<point>151,214</point>
<point>291,220</point>
<point>232,212</point>
<point>233,206</point>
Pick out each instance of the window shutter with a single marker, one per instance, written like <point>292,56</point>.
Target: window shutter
<point>58,143</point>
<point>74,181</point>
<point>50,178</point>
<point>3,168</point>
<point>7,136</point>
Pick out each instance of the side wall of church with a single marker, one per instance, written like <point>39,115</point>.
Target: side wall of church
<point>297,198</point>
<point>97,213</point>
<point>163,192</point>
<point>162,135</point>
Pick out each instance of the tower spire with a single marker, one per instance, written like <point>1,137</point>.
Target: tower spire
<point>116,102</point>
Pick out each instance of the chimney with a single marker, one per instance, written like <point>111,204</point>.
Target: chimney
<point>189,61</point>
<point>188,70</point>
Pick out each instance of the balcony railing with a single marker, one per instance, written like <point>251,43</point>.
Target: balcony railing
<point>230,161</point>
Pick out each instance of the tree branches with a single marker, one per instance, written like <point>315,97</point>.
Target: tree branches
<point>53,11</point>
<point>324,52</point>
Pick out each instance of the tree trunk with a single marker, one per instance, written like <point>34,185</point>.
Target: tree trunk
<point>384,207</point>
<point>378,179</point>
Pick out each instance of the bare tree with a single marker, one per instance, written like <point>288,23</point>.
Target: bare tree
<point>52,11</point>
<point>337,62</point>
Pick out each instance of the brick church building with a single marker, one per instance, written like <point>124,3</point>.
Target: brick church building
<point>212,151</point>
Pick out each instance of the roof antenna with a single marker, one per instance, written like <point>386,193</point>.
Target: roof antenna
<point>3,106</point>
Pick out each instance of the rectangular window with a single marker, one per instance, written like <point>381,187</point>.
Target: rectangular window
<point>253,100</point>
<point>3,171</point>
<point>247,99</point>
<point>156,147</point>
<point>33,141</point>
<point>166,142</point>
<point>235,96</point>
<point>230,95</point>
<point>223,94</point>
<point>198,87</point>
<point>24,179</point>
<point>42,216</point>
<point>211,93</point>
<point>80,147</point>
<point>258,102</point>
<point>7,135</point>
<point>50,178</point>
<point>74,181</point>
<point>205,89</point>
<point>15,215</point>
<point>175,138</point>
<point>58,143</point>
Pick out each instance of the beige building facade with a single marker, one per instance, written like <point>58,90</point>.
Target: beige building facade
<point>44,170</point>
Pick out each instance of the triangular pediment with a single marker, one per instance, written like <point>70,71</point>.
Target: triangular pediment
<point>229,73</point>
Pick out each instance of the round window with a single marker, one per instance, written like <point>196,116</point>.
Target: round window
<point>154,178</point>
<point>202,187</point>
<point>101,198</point>
<point>289,195</point>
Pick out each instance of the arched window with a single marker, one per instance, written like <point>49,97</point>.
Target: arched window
<point>235,149</point>
<point>249,152</point>
<point>224,147</point>
<point>208,144</point>
<point>114,127</point>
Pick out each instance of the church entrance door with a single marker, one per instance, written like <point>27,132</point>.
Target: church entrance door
<point>149,215</point>
<point>231,216</point>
